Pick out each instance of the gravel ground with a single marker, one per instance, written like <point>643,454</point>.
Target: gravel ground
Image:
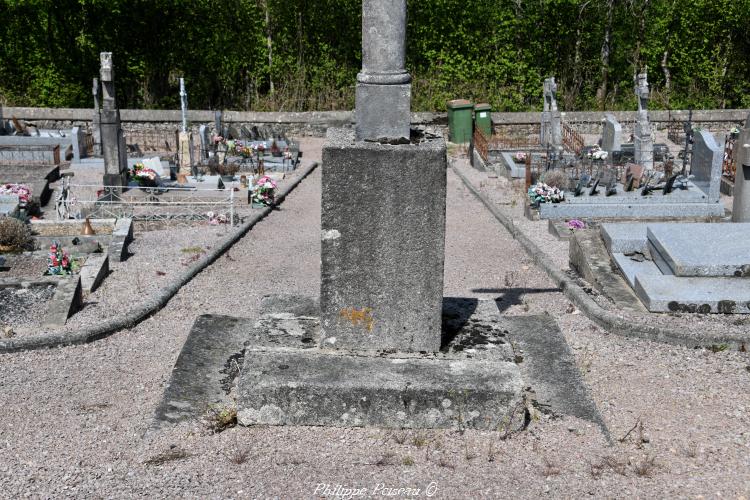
<point>72,420</point>
<point>23,308</point>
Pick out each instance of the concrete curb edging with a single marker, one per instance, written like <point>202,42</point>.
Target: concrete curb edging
<point>152,304</point>
<point>611,322</point>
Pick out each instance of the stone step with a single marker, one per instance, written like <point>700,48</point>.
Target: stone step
<point>630,268</point>
<point>693,294</point>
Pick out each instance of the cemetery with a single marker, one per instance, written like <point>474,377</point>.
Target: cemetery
<point>469,302</point>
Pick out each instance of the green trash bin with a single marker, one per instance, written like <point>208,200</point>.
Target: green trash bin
<point>460,125</point>
<point>483,118</point>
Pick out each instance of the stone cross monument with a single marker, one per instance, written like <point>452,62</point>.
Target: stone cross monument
<point>376,358</point>
<point>643,142</point>
<point>383,97</point>
<point>383,217</point>
<point>551,119</point>
<point>185,137</point>
<point>113,142</point>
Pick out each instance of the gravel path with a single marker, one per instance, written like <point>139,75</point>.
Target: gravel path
<point>72,419</point>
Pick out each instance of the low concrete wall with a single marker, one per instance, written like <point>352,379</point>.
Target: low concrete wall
<point>316,122</point>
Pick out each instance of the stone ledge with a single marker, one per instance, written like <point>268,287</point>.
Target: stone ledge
<point>315,388</point>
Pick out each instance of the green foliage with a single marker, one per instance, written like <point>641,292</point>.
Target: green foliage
<point>498,52</point>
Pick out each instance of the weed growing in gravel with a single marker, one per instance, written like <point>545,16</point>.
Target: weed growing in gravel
<point>608,463</point>
<point>491,452</point>
<point>388,458</point>
<point>399,437</point>
<point>192,250</point>
<point>444,462</point>
<point>239,456</point>
<point>550,468</point>
<point>469,455</point>
<point>167,456</point>
<point>408,460</point>
<point>510,279</point>
<point>646,467</point>
<point>221,418</point>
<point>419,440</point>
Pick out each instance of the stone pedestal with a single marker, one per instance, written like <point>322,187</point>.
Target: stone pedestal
<point>113,148</point>
<point>741,203</point>
<point>644,144</point>
<point>185,152</point>
<point>383,238</point>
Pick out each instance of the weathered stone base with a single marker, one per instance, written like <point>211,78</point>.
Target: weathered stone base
<point>288,380</point>
<point>475,381</point>
<point>314,387</point>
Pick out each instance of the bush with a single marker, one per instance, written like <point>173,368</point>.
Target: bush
<point>14,234</point>
<point>557,178</point>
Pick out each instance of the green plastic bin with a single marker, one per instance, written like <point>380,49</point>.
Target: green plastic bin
<point>460,125</point>
<point>483,118</point>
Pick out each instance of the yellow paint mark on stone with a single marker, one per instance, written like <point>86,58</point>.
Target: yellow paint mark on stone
<point>359,317</point>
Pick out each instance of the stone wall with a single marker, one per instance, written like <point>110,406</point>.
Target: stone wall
<point>317,122</point>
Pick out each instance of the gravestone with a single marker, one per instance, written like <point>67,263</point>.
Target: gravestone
<point>611,135</point>
<point>551,119</point>
<point>185,137</point>
<point>642,139</point>
<point>78,141</point>
<point>706,164</point>
<point>741,202</point>
<point>113,141</point>
<point>205,138</point>
<point>2,122</point>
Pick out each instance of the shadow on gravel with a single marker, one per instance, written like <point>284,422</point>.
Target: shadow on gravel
<point>512,296</point>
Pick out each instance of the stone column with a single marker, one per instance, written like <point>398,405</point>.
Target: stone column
<point>383,96</point>
<point>643,142</point>
<point>741,203</point>
<point>96,130</point>
<point>113,141</point>
<point>551,132</point>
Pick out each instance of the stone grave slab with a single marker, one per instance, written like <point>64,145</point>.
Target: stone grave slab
<point>693,294</point>
<point>703,249</point>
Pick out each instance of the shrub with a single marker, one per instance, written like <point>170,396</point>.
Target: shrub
<point>556,178</point>
<point>14,234</point>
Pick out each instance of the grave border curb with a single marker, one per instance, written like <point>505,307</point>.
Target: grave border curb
<point>613,323</point>
<point>154,303</point>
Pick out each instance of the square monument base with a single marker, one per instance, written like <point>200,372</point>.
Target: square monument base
<point>288,379</point>
<point>382,243</point>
